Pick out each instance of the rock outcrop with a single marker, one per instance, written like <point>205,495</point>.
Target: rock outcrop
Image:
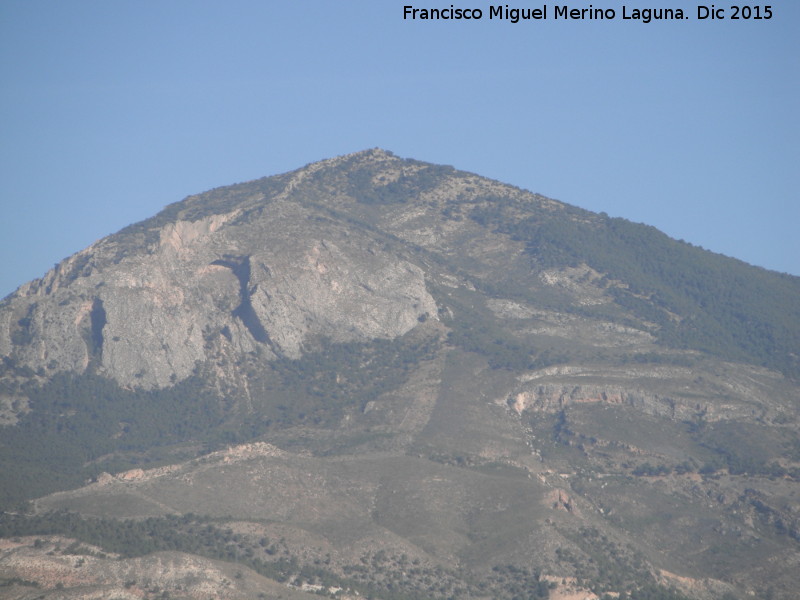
<point>262,278</point>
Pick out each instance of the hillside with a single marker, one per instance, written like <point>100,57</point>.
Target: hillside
<point>397,379</point>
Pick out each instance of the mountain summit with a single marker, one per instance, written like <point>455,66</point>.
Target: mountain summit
<point>381,376</point>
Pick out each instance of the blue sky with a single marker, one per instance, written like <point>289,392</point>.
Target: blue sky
<point>111,110</point>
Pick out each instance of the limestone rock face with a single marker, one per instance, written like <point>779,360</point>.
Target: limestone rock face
<point>258,278</point>
<point>733,392</point>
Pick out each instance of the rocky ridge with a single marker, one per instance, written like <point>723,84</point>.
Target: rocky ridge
<point>144,326</point>
<point>406,381</point>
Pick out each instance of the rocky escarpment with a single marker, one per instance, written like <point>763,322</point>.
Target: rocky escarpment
<point>261,281</point>
<point>552,398</point>
<point>677,393</point>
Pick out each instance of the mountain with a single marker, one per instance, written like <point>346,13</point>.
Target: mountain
<point>379,377</point>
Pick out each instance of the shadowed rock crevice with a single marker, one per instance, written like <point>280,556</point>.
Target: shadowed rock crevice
<point>22,329</point>
<point>240,266</point>
<point>97,319</point>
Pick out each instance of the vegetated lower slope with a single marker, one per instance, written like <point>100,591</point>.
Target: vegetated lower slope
<point>698,299</point>
<point>59,567</point>
<point>407,381</point>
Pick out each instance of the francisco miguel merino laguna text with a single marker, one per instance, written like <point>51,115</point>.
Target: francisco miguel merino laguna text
<point>514,15</point>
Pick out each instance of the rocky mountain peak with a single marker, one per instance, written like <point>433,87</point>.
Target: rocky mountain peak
<point>243,277</point>
<point>423,382</point>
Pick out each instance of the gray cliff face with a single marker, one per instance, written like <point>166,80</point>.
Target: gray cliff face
<point>258,282</point>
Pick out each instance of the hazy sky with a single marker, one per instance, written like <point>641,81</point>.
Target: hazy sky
<point>111,110</point>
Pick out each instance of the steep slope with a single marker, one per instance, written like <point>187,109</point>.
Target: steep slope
<point>272,262</point>
<point>425,383</point>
